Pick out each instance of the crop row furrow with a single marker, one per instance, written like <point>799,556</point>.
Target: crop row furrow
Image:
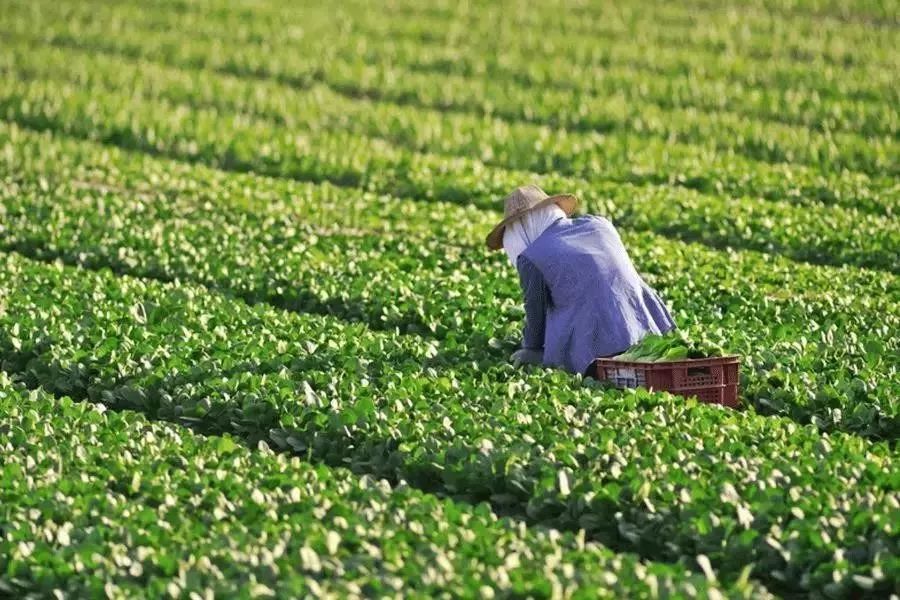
<point>186,514</point>
<point>630,469</point>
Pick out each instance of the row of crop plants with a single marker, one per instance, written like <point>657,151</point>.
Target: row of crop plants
<point>640,472</point>
<point>619,93</point>
<point>663,25</point>
<point>173,353</point>
<point>243,143</point>
<point>754,140</point>
<point>810,512</point>
<point>849,62</point>
<point>258,523</point>
<point>816,340</point>
<point>614,161</point>
<point>628,155</point>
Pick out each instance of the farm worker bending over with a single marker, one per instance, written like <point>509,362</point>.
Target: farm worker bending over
<point>583,297</point>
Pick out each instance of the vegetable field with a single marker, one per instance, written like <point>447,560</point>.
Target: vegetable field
<point>252,345</point>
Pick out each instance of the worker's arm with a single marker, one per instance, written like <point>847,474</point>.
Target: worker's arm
<point>537,300</point>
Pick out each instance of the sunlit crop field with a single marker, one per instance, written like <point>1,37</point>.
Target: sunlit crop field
<point>252,344</point>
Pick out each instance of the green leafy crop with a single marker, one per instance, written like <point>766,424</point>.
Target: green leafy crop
<point>184,514</point>
<point>448,421</point>
<point>675,345</point>
<point>251,344</point>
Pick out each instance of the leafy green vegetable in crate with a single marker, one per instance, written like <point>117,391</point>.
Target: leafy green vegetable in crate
<point>675,345</point>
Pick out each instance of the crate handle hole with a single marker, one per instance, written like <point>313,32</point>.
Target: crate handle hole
<point>694,371</point>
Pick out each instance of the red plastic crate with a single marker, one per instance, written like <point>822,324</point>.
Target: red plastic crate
<point>712,380</point>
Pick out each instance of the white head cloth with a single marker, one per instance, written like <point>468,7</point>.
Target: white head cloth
<point>521,233</point>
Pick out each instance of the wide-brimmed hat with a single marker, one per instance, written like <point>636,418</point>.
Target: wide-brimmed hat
<point>522,201</point>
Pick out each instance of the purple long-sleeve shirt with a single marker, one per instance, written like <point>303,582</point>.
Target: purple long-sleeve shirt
<point>583,297</point>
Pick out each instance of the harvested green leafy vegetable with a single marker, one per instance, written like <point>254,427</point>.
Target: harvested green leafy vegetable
<point>675,345</point>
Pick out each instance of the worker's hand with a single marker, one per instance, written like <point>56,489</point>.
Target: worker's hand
<point>527,357</point>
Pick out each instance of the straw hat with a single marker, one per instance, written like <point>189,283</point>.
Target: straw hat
<point>522,201</point>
